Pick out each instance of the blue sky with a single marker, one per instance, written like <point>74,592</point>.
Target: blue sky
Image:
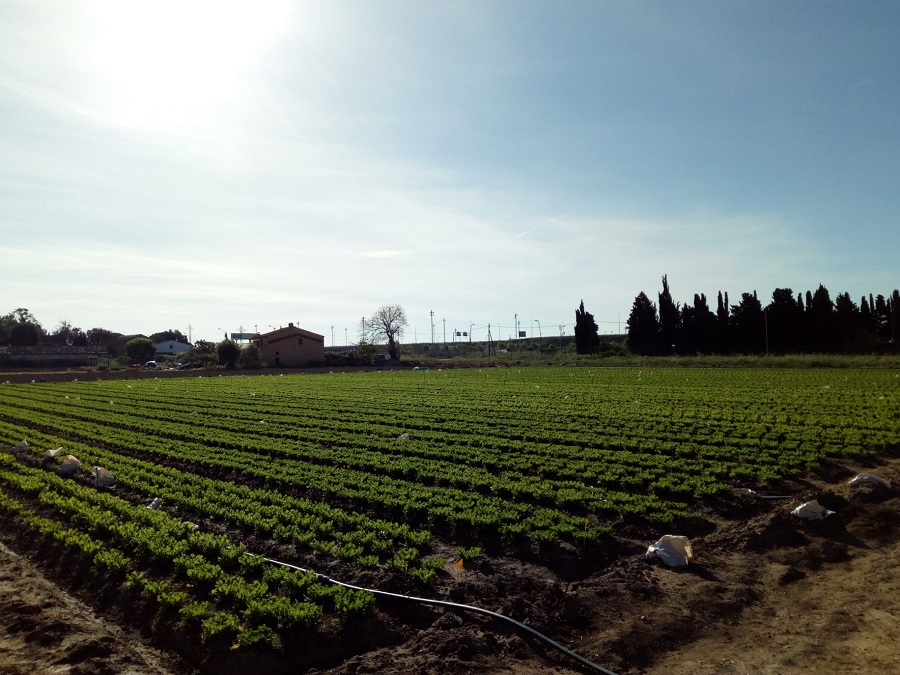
<point>222,165</point>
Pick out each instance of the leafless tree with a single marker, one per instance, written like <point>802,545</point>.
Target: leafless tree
<point>385,325</point>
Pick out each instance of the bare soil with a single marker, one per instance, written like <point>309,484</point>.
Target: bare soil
<point>766,593</point>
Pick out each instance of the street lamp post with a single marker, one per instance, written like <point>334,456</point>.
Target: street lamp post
<point>540,333</point>
<point>332,336</point>
<point>470,331</point>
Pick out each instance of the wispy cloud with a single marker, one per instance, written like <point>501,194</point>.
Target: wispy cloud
<point>383,254</point>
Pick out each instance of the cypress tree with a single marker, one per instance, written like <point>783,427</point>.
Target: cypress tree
<point>643,326</point>
<point>587,336</point>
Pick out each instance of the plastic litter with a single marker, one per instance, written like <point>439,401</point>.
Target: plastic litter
<point>868,479</point>
<point>672,549</point>
<point>403,437</point>
<point>760,495</point>
<point>19,447</point>
<point>155,504</point>
<point>811,511</point>
<point>69,464</point>
<point>193,527</point>
<point>50,454</point>
<point>102,477</point>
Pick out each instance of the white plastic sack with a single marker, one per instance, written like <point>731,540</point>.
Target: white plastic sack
<point>811,511</point>
<point>404,437</point>
<point>69,464</point>
<point>50,454</point>
<point>867,479</point>
<point>19,447</point>
<point>102,477</point>
<point>672,549</point>
<point>155,504</point>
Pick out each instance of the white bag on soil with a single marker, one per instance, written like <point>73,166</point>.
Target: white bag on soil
<point>868,479</point>
<point>672,549</point>
<point>69,464</point>
<point>102,477</point>
<point>811,511</point>
<point>18,447</point>
<point>50,454</point>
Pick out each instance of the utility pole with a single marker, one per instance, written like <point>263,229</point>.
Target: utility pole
<point>432,326</point>
<point>470,331</point>
<point>516,325</point>
<point>332,336</point>
<point>346,342</point>
<point>189,334</point>
<point>445,331</point>
<point>560,336</point>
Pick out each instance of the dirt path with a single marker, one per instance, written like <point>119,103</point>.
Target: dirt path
<point>45,630</point>
<point>829,605</point>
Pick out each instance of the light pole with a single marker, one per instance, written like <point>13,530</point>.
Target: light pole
<point>445,331</point>
<point>345,337</point>
<point>432,325</point>
<point>332,336</point>
<point>540,334</point>
<point>470,331</point>
<point>516,325</point>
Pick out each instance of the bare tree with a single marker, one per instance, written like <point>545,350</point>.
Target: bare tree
<point>385,325</point>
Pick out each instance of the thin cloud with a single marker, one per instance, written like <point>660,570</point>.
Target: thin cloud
<point>383,254</point>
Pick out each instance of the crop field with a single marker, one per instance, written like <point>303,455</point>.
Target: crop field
<point>397,477</point>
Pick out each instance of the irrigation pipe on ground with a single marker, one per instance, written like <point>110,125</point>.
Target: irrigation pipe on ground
<point>444,603</point>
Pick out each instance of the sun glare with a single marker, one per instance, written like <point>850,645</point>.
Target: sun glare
<point>174,63</point>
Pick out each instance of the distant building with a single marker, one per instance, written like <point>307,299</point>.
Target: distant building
<point>51,356</point>
<point>172,347</point>
<point>290,347</point>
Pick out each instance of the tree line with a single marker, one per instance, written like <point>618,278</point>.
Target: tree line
<point>789,323</point>
<point>20,328</point>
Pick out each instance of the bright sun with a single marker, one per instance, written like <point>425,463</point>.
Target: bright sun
<point>173,63</point>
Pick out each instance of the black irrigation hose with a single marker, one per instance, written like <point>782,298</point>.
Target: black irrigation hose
<point>444,603</point>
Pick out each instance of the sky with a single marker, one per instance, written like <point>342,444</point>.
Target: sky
<point>216,167</point>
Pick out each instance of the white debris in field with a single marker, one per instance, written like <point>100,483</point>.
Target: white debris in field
<point>19,447</point>
<point>811,510</point>
<point>69,464</point>
<point>102,477</point>
<point>155,504</point>
<point>868,479</point>
<point>50,454</point>
<point>672,549</point>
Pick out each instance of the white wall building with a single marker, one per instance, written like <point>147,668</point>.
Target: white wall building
<point>172,347</point>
